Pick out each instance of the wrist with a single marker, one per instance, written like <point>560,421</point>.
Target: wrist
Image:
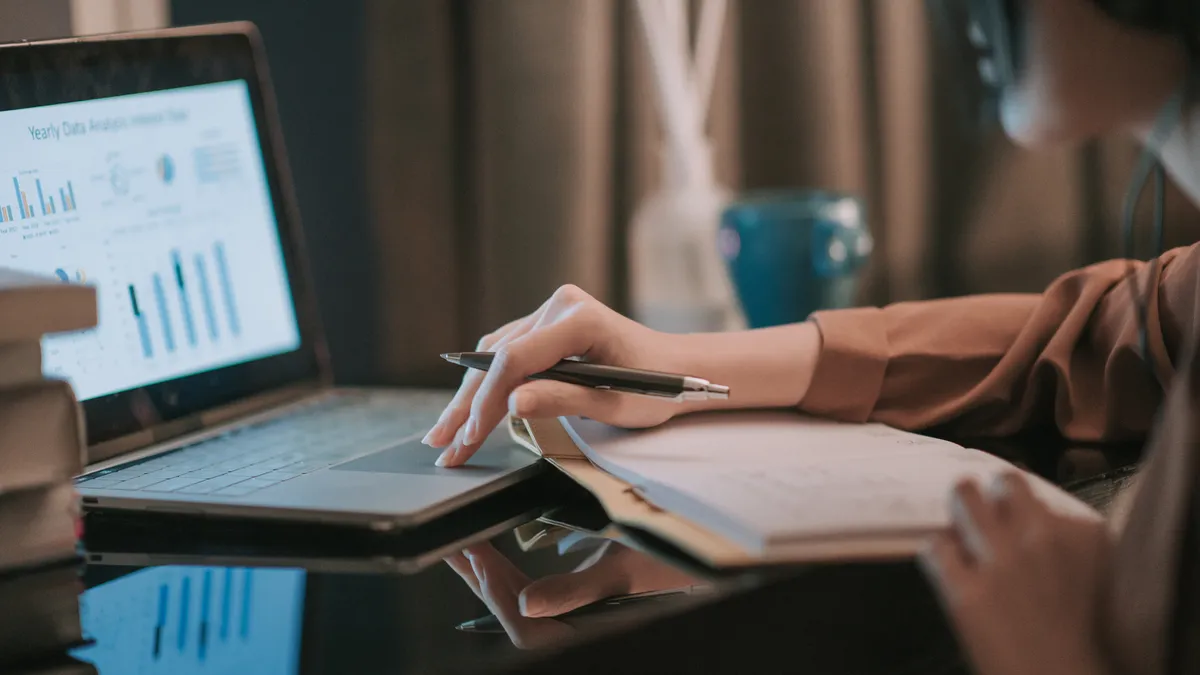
<point>764,368</point>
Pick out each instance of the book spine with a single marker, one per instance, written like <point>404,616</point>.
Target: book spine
<point>20,363</point>
<point>40,525</point>
<point>42,436</point>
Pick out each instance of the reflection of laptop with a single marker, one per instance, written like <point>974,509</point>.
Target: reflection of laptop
<point>151,165</point>
<point>182,620</point>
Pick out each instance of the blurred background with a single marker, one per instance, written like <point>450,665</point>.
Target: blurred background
<point>457,160</point>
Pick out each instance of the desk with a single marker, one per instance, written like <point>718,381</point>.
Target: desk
<point>328,602</point>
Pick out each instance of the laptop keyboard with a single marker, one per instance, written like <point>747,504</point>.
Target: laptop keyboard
<point>254,457</point>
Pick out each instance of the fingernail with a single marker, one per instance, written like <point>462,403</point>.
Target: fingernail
<point>525,609</point>
<point>999,488</point>
<point>958,509</point>
<point>444,458</point>
<point>428,439</point>
<point>472,430</point>
<point>520,403</point>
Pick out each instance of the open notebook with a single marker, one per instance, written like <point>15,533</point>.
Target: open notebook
<point>751,488</point>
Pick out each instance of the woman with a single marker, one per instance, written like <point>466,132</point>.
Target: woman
<point>1069,358</point>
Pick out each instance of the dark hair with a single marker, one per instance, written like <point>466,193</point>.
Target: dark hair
<point>1178,17</point>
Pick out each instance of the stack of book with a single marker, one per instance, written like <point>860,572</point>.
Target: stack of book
<point>42,448</point>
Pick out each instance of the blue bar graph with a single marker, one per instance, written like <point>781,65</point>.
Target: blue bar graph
<point>143,329</point>
<point>163,313</point>
<point>246,591</point>
<point>20,201</point>
<point>227,289</point>
<point>162,620</point>
<point>204,601</point>
<point>62,199</point>
<point>185,596</point>
<point>210,314</point>
<point>41,199</point>
<point>226,596</point>
<point>71,192</point>
<point>189,326</point>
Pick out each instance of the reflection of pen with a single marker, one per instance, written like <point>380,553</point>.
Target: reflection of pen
<point>611,378</point>
<point>491,624</point>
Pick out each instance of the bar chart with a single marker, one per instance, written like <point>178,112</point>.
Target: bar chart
<point>189,326</point>
<point>45,205</point>
<point>174,306</point>
<point>177,232</point>
<point>183,620</point>
<point>177,597</point>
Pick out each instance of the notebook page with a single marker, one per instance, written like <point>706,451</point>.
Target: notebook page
<point>770,477</point>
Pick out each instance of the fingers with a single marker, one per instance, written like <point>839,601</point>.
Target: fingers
<point>460,406</point>
<point>461,566</point>
<point>1014,495</point>
<point>975,520</point>
<point>455,414</point>
<point>544,398</point>
<point>449,431</point>
<point>603,575</point>
<point>499,584</point>
<point>560,593</point>
<point>946,563</point>
<point>533,352</point>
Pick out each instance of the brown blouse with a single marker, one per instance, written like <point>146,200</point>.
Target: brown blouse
<point>1068,358</point>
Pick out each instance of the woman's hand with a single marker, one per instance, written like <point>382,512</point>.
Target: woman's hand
<point>766,368</point>
<point>570,323</point>
<point>1020,582</point>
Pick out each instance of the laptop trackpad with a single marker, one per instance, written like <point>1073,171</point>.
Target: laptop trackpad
<point>415,458</point>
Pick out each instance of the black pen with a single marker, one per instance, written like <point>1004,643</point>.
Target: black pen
<point>611,378</point>
<point>491,624</point>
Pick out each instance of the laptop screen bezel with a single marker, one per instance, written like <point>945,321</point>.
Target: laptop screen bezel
<point>63,71</point>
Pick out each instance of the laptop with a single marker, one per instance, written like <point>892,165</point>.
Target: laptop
<point>151,165</point>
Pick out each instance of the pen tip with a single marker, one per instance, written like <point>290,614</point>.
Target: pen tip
<point>452,357</point>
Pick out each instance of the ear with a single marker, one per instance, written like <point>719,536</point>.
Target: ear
<point>1087,74</point>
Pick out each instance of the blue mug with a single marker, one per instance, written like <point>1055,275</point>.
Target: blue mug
<point>792,253</point>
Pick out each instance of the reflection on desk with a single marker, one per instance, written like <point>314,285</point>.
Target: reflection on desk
<point>183,620</point>
<point>390,618</point>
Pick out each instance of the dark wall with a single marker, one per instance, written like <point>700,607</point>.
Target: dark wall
<point>315,51</point>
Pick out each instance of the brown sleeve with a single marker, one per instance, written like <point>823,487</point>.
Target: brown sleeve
<point>999,364</point>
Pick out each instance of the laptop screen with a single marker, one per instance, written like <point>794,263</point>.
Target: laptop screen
<point>150,166</point>
<point>159,199</point>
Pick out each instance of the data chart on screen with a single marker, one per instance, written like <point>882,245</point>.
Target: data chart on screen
<point>161,201</point>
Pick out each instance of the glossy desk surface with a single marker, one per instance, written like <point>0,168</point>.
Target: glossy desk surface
<point>190,596</point>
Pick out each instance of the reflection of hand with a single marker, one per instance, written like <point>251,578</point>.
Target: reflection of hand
<point>525,609</point>
<point>614,569</point>
<point>498,583</point>
<point>1020,582</point>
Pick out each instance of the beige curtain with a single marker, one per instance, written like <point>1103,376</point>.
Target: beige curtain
<point>510,141</point>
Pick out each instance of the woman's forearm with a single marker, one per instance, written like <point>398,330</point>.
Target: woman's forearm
<point>764,368</point>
